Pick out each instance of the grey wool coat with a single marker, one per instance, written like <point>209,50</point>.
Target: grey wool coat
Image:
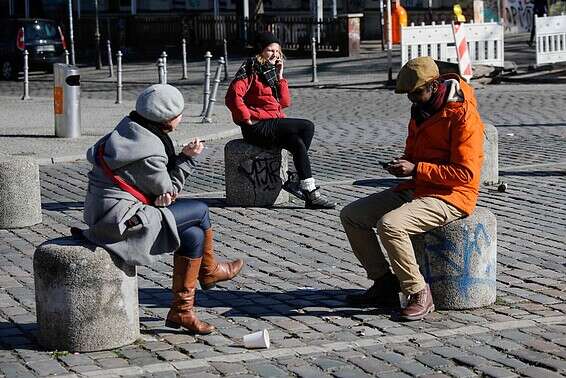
<point>139,157</point>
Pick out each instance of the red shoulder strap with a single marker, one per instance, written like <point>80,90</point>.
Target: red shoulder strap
<point>122,184</point>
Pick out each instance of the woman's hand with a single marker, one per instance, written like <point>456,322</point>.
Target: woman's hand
<point>165,199</point>
<point>279,68</point>
<point>401,168</point>
<point>194,148</point>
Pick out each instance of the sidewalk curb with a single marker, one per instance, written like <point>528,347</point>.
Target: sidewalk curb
<point>235,131</point>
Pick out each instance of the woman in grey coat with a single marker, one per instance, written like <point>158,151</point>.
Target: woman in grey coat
<point>131,204</point>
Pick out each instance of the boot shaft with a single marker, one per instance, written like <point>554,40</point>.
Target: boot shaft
<point>185,273</point>
<point>208,261</point>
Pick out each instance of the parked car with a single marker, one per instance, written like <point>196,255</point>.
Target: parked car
<point>43,39</point>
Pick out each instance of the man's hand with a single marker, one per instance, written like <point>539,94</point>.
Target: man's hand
<point>401,168</point>
<point>164,199</point>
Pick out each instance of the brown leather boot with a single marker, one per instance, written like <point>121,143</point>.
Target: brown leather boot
<point>419,305</point>
<point>211,271</point>
<point>181,314</point>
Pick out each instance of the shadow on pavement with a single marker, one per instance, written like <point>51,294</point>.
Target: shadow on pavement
<point>532,125</point>
<point>256,304</point>
<point>533,173</point>
<point>378,183</point>
<point>62,206</point>
<point>18,336</point>
<point>27,136</point>
<point>220,202</point>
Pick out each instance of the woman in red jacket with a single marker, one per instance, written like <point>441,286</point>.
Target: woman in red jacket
<point>256,97</point>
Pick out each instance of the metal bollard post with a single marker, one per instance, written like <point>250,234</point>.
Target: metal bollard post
<point>314,74</point>
<point>184,48</point>
<point>160,71</point>
<point>212,98</point>
<point>164,60</point>
<point>26,76</point>
<point>119,77</point>
<point>110,64</point>
<point>225,60</point>
<point>66,56</point>
<point>206,93</point>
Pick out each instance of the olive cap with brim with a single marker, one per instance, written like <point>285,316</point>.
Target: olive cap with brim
<point>416,73</point>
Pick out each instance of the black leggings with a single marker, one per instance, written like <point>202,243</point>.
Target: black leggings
<point>192,220</point>
<point>293,134</point>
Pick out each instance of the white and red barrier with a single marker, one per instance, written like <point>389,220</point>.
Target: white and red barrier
<point>550,33</point>
<point>485,42</point>
<point>462,52</point>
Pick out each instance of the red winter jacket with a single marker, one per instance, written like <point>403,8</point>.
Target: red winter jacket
<point>252,99</point>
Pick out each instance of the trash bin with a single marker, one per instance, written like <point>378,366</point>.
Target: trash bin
<point>66,101</point>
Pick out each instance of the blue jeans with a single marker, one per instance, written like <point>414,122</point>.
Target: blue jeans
<point>192,220</point>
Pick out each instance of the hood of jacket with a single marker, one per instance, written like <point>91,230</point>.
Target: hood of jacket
<point>129,142</point>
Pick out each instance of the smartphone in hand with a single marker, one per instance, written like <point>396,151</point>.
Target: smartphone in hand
<point>385,164</point>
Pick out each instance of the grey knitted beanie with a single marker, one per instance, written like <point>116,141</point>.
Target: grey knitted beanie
<point>160,103</point>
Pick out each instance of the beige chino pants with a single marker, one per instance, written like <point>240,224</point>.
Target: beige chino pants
<point>396,216</point>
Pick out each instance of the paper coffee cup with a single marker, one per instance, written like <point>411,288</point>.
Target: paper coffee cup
<point>258,339</point>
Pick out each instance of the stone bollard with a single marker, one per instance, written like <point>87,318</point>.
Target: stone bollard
<point>490,169</point>
<point>20,194</point>
<point>86,298</point>
<point>459,261</point>
<point>254,175</point>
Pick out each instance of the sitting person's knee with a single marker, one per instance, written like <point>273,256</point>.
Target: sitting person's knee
<point>192,241</point>
<point>308,125</point>
<point>387,225</point>
<point>348,214</point>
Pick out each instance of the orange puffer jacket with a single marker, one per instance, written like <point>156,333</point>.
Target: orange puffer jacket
<point>447,149</point>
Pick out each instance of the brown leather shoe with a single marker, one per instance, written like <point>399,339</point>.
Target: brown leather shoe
<point>418,306</point>
<point>383,293</point>
<point>211,271</point>
<point>181,314</point>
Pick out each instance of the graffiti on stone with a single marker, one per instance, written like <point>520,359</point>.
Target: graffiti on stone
<point>263,171</point>
<point>458,258</point>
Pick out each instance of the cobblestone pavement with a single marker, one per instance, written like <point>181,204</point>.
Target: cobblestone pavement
<point>299,264</point>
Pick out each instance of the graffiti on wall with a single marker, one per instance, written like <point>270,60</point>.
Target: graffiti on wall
<point>518,16</point>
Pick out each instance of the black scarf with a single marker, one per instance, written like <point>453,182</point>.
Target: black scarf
<point>266,72</point>
<point>157,129</point>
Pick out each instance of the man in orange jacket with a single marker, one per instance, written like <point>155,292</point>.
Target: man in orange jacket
<point>443,157</point>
